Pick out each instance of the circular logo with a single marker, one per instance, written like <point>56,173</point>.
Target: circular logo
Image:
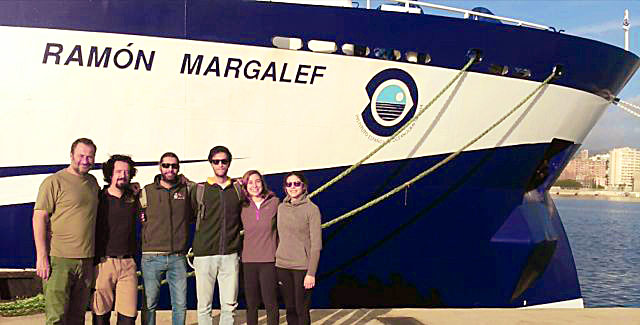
<point>392,102</point>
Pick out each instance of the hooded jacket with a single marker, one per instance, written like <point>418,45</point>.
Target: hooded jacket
<point>300,235</point>
<point>168,214</point>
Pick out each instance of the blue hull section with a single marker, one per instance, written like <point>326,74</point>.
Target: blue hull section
<point>476,233</point>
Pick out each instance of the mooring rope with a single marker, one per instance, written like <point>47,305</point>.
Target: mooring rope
<point>626,106</point>
<point>23,306</point>
<point>36,304</point>
<point>423,109</point>
<point>441,163</point>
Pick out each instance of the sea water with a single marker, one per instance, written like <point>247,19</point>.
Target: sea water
<point>605,240</point>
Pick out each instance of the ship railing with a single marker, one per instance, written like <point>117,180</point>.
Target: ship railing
<point>466,13</point>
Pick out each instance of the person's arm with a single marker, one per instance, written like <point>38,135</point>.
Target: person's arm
<point>315,233</point>
<point>40,226</point>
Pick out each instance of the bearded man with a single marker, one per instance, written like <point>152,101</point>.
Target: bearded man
<point>64,222</point>
<point>116,283</point>
<point>165,238</point>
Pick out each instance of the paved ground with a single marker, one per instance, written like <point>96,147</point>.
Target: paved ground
<point>588,316</point>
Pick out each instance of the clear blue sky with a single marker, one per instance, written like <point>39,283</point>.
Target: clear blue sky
<point>599,20</point>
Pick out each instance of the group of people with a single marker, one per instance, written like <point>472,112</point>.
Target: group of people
<point>86,241</point>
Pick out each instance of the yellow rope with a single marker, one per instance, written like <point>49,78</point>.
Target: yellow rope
<point>440,164</point>
<point>394,135</point>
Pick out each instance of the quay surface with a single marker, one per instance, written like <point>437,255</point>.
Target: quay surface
<point>587,316</point>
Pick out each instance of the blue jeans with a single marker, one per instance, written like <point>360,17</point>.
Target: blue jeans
<point>225,269</point>
<point>175,266</point>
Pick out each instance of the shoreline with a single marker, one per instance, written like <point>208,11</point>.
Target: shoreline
<point>586,194</point>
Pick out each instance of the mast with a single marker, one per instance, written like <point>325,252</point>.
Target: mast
<point>626,27</point>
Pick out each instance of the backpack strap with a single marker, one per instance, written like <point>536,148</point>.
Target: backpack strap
<point>236,186</point>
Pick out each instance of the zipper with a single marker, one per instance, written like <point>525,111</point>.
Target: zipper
<point>171,219</point>
<point>224,223</point>
<point>257,210</point>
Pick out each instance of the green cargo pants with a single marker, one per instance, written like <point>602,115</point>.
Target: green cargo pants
<point>66,292</point>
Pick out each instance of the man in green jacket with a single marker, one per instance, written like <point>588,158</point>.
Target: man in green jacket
<point>165,238</point>
<point>217,241</point>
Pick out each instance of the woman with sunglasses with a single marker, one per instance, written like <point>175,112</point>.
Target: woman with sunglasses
<point>259,248</point>
<point>298,252</point>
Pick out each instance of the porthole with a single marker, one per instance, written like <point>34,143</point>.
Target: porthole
<point>322,46</point>
<point>498,69</point>
<point>522,73</point>
<point>415,57</point>
<point>355,50</point>
<point>387,54</point>
<point>289,43</point>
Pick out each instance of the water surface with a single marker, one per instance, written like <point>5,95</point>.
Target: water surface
<point>605,240</point>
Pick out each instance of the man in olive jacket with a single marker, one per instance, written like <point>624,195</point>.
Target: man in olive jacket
<point>217,241</point>
<point>165,238</point>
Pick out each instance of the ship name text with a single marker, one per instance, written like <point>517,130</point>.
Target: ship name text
<point>123,58</point>
<point>132,58</point>
<point>252,69</point>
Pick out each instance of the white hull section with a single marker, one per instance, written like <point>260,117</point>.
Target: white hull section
<point>273,126</point>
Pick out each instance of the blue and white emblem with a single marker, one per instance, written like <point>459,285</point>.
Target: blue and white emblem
<point>393,96</point>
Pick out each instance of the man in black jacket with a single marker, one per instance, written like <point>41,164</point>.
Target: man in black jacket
<point>217,241</point>
<point>116,283</point>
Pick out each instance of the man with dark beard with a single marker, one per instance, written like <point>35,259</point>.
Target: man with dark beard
<point>165,234</point>
<point>116,281</point>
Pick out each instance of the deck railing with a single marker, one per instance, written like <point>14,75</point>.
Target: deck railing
<point>466,13</point>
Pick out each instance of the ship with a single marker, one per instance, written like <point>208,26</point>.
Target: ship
<point>316,86</point>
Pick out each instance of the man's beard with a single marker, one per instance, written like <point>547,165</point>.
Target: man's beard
<point>122,185</point>
<point>172,181</point>
<point>79,170</point>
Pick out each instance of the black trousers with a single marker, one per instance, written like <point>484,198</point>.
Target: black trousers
<point>297,299</point>
<point>261,285</point>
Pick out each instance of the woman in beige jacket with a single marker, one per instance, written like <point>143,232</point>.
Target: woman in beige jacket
<point>298,253</point>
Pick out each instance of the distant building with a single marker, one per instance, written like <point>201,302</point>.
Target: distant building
<point>590,171</point>
<point>636,182</point>
<point>597,169</point>
<point>624,163</point>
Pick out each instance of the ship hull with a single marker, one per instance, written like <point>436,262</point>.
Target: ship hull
<point>481,231</point>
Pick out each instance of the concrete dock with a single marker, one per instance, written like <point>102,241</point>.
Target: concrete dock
<point>587,316</point>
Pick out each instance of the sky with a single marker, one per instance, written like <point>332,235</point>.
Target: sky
<point>598,20</point>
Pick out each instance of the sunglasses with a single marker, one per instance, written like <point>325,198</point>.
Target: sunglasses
<point>294,184</point>
<point>174,166</point>
<point>218,161</point>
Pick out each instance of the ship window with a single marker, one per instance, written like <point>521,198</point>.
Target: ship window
<point>356,50</point>
<point>415,57</point>
<point>322,46</point>
<point>387,54</point>
<point>289,43</point>
<point>498,69</point>
<point>522,73</point>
